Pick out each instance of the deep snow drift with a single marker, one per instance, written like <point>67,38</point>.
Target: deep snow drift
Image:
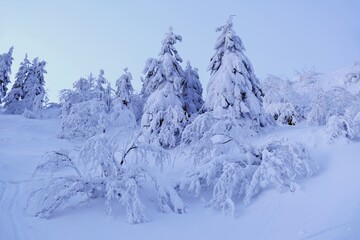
<point>325,206</point>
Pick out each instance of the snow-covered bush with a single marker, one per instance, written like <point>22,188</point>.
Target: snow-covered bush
<point>121,116</point>
<point>235,172</point>
<point>84,120</point>
<point>226,172</point>
<point>282,164</point>
<point>237,175</point>
<point>277,101</point>
<point>342,128</point>
<point>89,108</point>
<point>99,172</point>
<point>353,77</point>
<point>337,101</point>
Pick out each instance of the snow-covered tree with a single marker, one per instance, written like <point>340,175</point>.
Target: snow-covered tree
<point>34,94</point>
<point>233,88</point>
<point>216,141</point>
<point>125,103</point>
<point>5,70</point>
<point>84,120</point>
<point>192,90</point>
<point>124,89</point>
<point>235,173</point>
<point>164,117</point>
<point>278,100</point>
<point>101,171</point>
<point>82,91</point>
<point>102,91</point>
<point>336,101</point>
<point>13,103</point>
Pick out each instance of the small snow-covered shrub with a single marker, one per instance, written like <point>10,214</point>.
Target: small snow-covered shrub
<point>121,116</point>
<point>281,101</point>
<point>283,163</point>
<point>353,77</point>
<point>337,101</point>
<point>283,112</point>
<point>226,175</point>
<point>342,128</point>
<point>235,171</point>
<point>99,172</point>
<point>84,120</point>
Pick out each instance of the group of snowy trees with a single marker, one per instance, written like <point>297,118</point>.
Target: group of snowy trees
<point>304,100</point>
<point>27,95</point>
<point>214,135</point>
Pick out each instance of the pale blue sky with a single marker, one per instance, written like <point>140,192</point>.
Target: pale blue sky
<point>77,37</point>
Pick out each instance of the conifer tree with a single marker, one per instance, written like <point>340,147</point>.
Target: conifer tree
<point>34,94</point>
<point>5,70</point>
<point>233,88</point>
<point>192,90</point>
<point>103,91</point>
<point>164,117</point>
<point>124,89</point>
<point>12,101</point>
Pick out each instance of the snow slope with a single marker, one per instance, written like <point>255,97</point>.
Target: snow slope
<point>325,207</point>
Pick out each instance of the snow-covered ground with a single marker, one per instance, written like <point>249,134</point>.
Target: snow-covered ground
<point>326,206</point>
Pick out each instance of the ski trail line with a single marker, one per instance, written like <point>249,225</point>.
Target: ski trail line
<point>9,226</point>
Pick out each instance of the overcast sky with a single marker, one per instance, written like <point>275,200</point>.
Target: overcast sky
<point>77,37</point>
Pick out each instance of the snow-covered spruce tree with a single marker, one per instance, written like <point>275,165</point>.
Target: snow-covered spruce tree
<point>216,141</point>
<point>34,94</point>
<point>102,172</point>
<point>164,117</point>
<point>122,113</point>
<point>124,89</point>
<point>192,90</point>
<point>233,88</point>
<point>13,103</point>
<point>234,100</point>
<point>5,70</point>
<point>125,95</point>
<point>102,91</point>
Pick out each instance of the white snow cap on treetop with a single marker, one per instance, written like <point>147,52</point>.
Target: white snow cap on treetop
<point>168,44</point>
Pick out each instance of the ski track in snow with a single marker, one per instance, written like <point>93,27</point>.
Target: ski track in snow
<point>10,228</point>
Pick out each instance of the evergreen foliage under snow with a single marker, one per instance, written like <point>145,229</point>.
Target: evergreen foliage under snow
<point>164,117</point>
<point>5,70</point>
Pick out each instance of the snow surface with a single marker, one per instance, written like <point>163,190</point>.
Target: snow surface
<point>325,207</point>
